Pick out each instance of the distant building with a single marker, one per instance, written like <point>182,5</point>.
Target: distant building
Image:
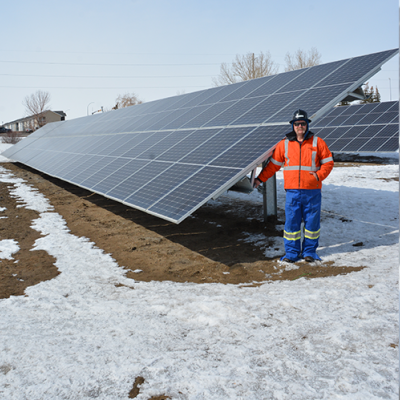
<point>29,124</point>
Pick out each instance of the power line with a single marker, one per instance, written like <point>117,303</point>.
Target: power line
<point>108,76</point>
<point>100,64</point>
<point>114,53</point>
<point>100,87</point>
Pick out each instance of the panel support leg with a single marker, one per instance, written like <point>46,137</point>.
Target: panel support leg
<point>269,198</point>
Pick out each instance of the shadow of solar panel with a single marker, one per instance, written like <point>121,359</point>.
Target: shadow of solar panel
<point>170,156</point>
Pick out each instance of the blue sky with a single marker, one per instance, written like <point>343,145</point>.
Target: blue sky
<point>85,53</point>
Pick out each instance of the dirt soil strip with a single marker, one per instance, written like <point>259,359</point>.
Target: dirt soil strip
<point>206,247</point>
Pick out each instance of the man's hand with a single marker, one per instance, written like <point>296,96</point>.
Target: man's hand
<point>315,175</point>
<point>257,183</point>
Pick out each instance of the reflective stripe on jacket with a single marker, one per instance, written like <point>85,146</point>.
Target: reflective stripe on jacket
<point>298,160</point>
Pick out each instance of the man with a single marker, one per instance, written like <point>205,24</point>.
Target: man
<point>307,161</point>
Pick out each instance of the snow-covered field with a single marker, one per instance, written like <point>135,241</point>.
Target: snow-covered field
<point>79,336</point>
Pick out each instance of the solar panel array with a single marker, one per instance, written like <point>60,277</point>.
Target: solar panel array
<point>170,156</point>
<point>371,127</point>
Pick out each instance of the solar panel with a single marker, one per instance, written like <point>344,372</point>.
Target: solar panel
<point>168,157</point>
<point>371,127</point>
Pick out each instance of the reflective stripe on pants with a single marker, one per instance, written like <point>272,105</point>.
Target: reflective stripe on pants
<point>302,205</point>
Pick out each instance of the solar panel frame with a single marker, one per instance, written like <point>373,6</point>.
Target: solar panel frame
<point>216,135</point>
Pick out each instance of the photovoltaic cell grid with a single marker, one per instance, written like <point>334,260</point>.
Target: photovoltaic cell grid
<point>170,156</point>
<point>371,127</point>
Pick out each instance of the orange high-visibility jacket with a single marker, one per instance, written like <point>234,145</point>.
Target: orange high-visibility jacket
<point>298,160</point>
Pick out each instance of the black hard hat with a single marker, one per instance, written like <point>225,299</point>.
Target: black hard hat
<point>299,115</point>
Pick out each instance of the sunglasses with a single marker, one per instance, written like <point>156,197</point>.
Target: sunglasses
<point>300,124</point>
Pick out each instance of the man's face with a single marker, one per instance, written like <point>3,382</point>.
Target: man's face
<point>300,128</point>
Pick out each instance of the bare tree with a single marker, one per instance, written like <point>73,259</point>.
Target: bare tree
<point>245,67</point>
<point>372,94</point>
<point>302,59</point>
<point>36,105</point>
<point>11,137</point>
<point>127,100</point>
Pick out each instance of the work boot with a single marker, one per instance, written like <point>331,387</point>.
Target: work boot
<point>287,260</point>
<point>308,259</point>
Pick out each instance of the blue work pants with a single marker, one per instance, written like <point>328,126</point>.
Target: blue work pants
<point>302,205</point>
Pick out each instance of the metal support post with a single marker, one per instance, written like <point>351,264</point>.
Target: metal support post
<point>272,208</point>
<point>269,197</point>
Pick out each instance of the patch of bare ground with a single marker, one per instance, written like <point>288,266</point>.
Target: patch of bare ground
<point>136,390</point>
<point>207,247</point>
<point>26,267</point>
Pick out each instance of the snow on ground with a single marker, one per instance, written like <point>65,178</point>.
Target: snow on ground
<point>79,336</point>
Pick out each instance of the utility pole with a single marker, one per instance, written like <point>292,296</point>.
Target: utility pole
<point>254,72</point>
